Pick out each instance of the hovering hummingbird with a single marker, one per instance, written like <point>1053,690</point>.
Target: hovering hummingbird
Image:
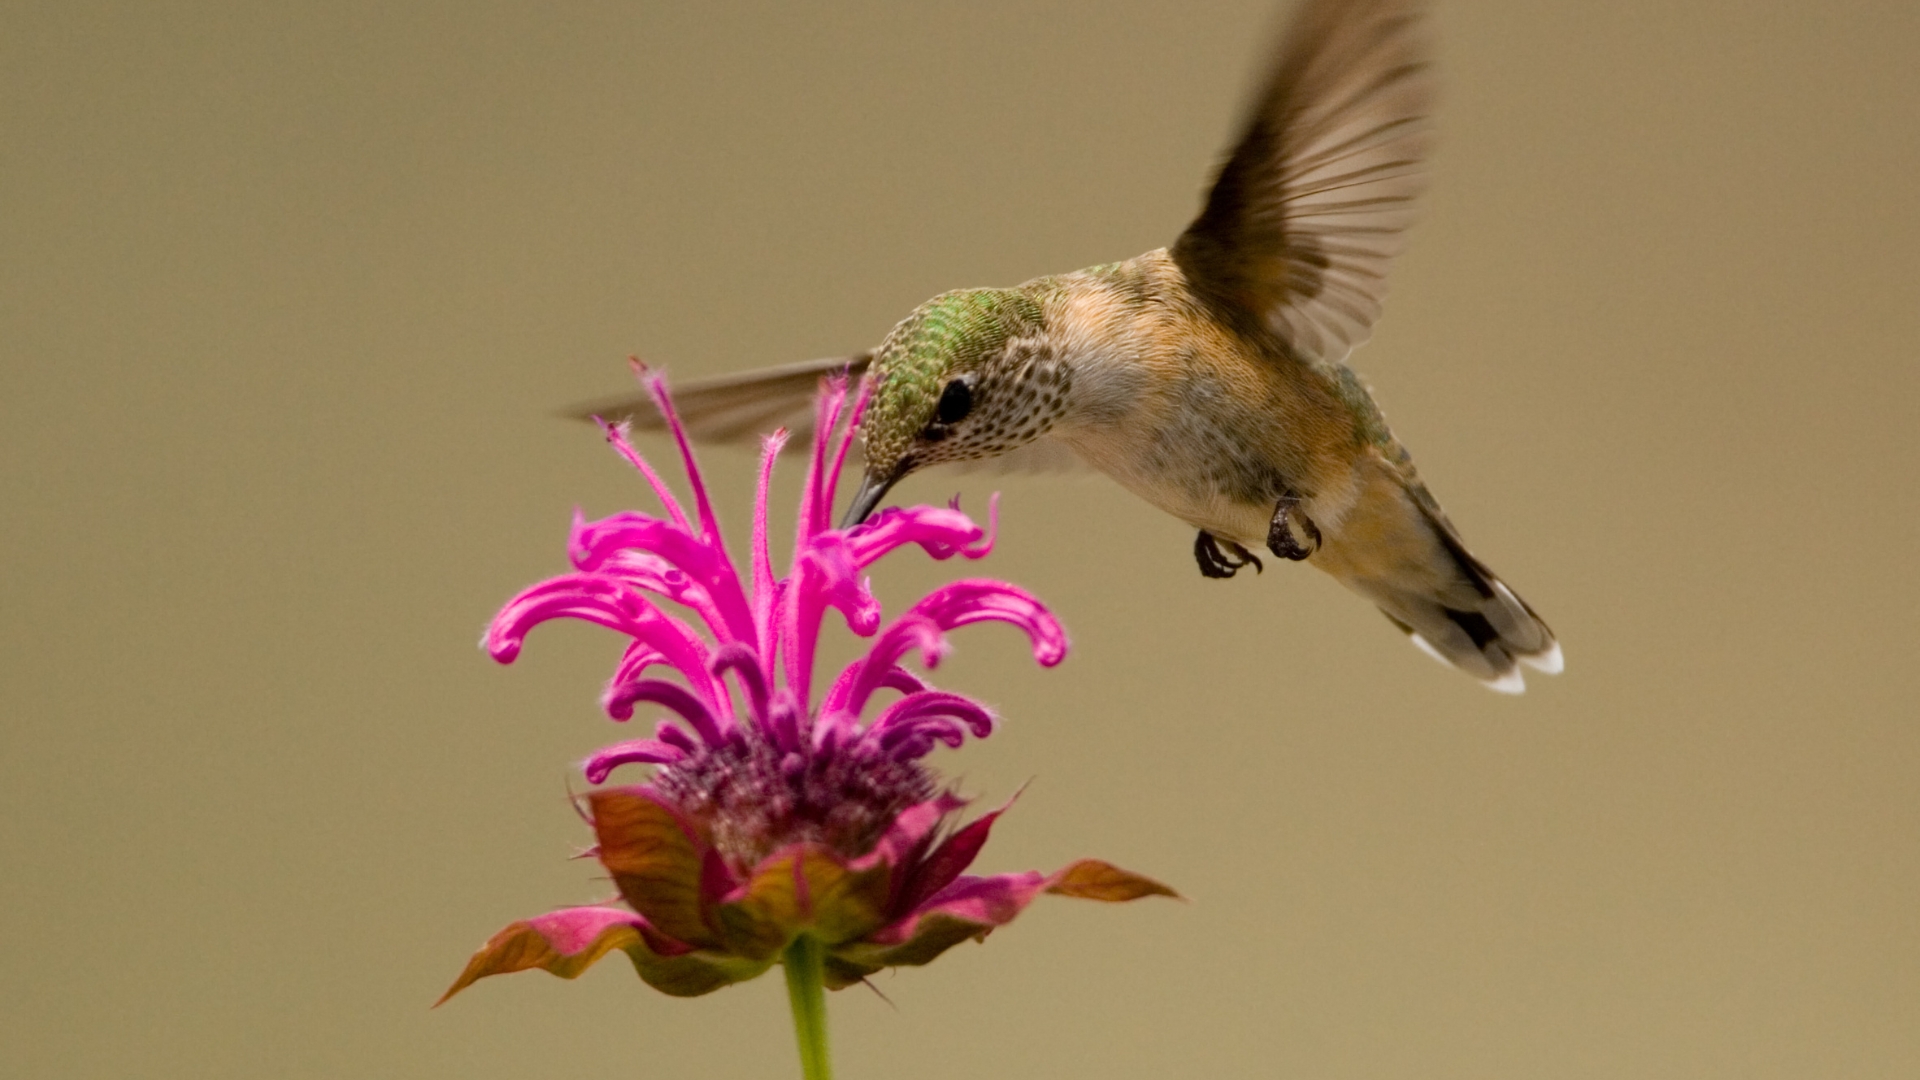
<point>1209,378</point>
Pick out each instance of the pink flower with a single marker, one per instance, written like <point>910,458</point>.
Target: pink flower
<point>771,818</point>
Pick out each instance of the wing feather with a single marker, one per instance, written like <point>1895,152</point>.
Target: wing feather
<point>735,408</point>
<point>1311,207</point>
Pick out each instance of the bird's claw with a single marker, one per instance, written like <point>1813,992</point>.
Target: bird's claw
<point>1216,563</point>
<point>1280,539</point>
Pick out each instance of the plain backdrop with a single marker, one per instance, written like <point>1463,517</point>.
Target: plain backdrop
<point>289,295</point>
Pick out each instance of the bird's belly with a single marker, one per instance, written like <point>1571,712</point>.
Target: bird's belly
<point>1210,483</point>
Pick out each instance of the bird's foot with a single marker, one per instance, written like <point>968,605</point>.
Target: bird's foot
<point>1216,563</point>
<point>1280,538</point>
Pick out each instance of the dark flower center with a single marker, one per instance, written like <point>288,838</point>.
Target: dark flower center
<point>755,798</point>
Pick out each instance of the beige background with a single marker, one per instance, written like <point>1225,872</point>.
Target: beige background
<point>286,300</point>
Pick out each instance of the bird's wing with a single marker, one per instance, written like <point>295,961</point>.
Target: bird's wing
<point>1307,213</point>
<point>735,408</point>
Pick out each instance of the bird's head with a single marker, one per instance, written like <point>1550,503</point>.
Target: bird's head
<point>969,375</point>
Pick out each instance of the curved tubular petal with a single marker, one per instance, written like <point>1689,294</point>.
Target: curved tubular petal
<point>628,544</point>
<point>912,741</point>
<point>580,596</point>
<point>985,547</point>
<point>613,604</point>
<point>617,435</point>
<point>676,736</point>
<point>621,699</point>
<point>797,629</point>
<point>915,706</point>
<point>962,603</point>
<point>835,576</point>
<point>892,678</point>
<point>860,402</point>
<point>709,525</point>
<point>841,726</point>
<point>816,494</point>
<point>835,729</point>
<point>899,678</point>
<point>639,657</point>
<point>821,578</point>
<point>913,746</point>
<point>744,662</point>
<point>814,578</point>
<point>957,604</point>
<point>763,579</point>
<point>942,532</point>
<point>785,720</point>
<point>632,752</point>
<point>859,680</point>
<point>645,570</point>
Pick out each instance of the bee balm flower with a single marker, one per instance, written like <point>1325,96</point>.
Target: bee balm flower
<point>778,826</point>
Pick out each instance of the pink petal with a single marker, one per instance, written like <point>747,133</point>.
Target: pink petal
<point>957,604</point>
<point>744,661</point>
<point>632,752</point>
<point>860,679</point>
<point>617,435</point>
<point>636,545</point>
<point>963,603</point>
<point>676,737</point>
<point>605,602</point>
<point>621,698</point>
<point>836,577</point>
<point>860,403</point>
<point>816,496</point>
<point>637,658</point>
<point>709,525</point>
<point>934,713</point>
<point>763,588</point>
<point>942,532</point>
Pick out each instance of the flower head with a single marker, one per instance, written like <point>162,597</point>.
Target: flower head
<point>772,815</point>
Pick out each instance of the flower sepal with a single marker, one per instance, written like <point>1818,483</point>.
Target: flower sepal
<point>569,941</point>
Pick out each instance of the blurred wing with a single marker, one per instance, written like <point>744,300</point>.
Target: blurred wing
<point>735,408</point>
<point>1305,216</point>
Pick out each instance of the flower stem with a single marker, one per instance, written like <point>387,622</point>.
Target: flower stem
<point>806,988</point>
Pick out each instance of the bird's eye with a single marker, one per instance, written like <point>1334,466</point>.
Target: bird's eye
<point>956,401</point>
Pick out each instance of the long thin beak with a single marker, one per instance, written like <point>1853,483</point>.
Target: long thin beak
<point>872,489</point>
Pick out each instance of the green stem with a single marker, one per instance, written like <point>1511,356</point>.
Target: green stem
<point>806,988</point>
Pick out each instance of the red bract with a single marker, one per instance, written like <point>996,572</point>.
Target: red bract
<point>768,816</point>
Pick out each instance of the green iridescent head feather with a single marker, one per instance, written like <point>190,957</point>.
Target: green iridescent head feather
<point>947,336</point>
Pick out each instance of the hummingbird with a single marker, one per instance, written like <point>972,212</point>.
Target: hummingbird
<point>1209,377</point>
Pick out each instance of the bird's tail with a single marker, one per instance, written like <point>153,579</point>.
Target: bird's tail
<point>1404,555</point>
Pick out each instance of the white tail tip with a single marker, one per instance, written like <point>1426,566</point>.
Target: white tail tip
<point>1513,682</point>
<point>1550,662</point>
